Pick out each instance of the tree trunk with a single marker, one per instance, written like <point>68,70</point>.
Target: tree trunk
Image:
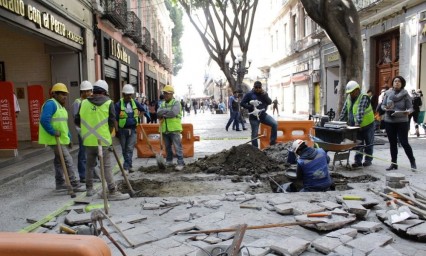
<point>339,18</point>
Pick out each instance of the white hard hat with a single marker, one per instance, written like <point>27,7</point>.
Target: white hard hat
<point>296,144</point>
<point>86,85</point>
<point>101,84</point>
<point>128,89</point>
<point>351,86</point>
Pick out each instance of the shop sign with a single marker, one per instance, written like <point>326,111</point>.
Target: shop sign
<point>119,51</point>
<point>8,135</point>
<point>35,102</point>
<point>333,57</point>
<point>301,67</point>
<point>41,18</point>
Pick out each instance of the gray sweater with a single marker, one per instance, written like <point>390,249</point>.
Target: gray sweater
<point>398,101</point>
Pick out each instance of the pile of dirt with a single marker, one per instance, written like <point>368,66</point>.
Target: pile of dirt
<point>278,152</point>
<point>239,160</point>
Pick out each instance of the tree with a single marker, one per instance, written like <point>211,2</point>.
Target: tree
<point>339,18</point>
<point>220,23</point>
<point>177,31</point>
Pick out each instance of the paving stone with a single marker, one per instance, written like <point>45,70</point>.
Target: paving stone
<point>350,232</point>
<point>149,206</point>
<point>230,198</point>
<point>419,231</point>
<point>182,227</point>
<point>394,176</point>
<point>134,218</point>
<point>304,207</point>
<point>291,246</point>
<point>367,226</point>
<point>344,250</point>
<point>74,218</point>
<point>387,250</point>
<point>179,251</point>
<point>182,217</point>
<point>285,209</point>
<point>138,240</point>
<point>279,200</point>
<point>406,224</point>
<point>395,184</point>
<point>253,251</point>
<point>211,218</point>
<point>214,204</point>
<point>212,239</point>
<point>335,222</point>
<point>370,242</point>
<point>50,224</point>
<point>329,205</point>
<point>356,208</point>
<point>201,238</point>
<point>125,226</point>
<point>137,230</point>
<point>262,242</point>
<point>167,243</point>
<point>326,244</point>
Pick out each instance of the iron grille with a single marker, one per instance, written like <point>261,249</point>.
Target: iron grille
<point>115,11</point>
<point>154,51</point>
<point>133,29</point>
<point>145,44</point>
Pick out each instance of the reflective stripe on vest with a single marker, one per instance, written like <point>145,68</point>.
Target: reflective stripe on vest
<point>123,115</point>
<point>59,123</point>
<point>368,114</point>
<point>94,123</point>
<point>172,124</point>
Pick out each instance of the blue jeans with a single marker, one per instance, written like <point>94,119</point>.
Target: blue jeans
<point>127,142</point>
<point>233,118</point>
<point>81,159</point>
<point>267,120</point>
<point>366,136</point>
<point>173,139</point>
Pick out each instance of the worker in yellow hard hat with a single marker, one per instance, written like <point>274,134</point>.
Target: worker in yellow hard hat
<point>54,123</point>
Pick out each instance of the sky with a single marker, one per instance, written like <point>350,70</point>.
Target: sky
<point>195,58</point>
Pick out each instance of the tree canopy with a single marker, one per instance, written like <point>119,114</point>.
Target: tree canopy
<point>176,14</point>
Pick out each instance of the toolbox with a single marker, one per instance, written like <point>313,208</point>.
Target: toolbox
<point>336,136</point>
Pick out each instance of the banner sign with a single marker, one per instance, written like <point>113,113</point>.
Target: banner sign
<point>35,102</point>
<point>8,134</point>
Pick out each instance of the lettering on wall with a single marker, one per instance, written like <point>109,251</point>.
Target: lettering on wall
<point>42,20</point>
<point>6,115</point>
<point>119,52</point>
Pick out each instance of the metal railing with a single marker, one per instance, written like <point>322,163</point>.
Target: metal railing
<point>145,44</point>
<point>133,28</point>
<point>154,50</point>
<point>115,11</point>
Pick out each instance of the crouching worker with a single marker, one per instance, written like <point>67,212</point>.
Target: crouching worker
<point>312,167</point>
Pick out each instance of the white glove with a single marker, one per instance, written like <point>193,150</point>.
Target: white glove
<point>255,103</point>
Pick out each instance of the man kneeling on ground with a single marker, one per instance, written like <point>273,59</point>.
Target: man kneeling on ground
<point>312,167</point>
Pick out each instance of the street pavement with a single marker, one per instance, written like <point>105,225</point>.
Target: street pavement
<point>30,194</point>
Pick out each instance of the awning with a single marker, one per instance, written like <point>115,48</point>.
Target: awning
<point>286,81</point>
<point>299,78</point>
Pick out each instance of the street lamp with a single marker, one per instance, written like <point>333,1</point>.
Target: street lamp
<point>238,69</point>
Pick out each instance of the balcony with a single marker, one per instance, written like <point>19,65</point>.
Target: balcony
<point>154,51</point>
<point>161,56</point>
<point>145,44</point>
<point>115,11</point>
<point>133,28</point>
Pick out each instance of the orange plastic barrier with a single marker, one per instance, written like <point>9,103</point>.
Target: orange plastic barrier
<point>153,136</point>
<point>288,131</point>
<point>17,244</point>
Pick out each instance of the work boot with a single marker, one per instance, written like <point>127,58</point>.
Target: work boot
<point>392,167</point>
<point>90,192</point>
<point>169,163</point>
<point>77,187</point>
<point>115,195</point>
<point>131,170</point>
<point>356,165</point>
<point>179,167</point>
<point>61,187</point>
<point>413,166</point>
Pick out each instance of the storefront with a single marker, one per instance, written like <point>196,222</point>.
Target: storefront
<point>332,66</point>
<point>422,47</point>
<point>151,83</point>
<point>40,46</point>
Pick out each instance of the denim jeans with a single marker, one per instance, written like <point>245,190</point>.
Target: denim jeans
<point>127,142</point>
<point>81,159</point>
<point>399,131</point>
<point>69,163</point>
<point>173,139</point>
<point>233,118</point>
<point>366,136</point>
<point>267,120</point>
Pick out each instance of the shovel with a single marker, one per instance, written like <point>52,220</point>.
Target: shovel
<point>159,158</point>
<point>126,179</point>
<point>64,169</point>
<point>396,215</point>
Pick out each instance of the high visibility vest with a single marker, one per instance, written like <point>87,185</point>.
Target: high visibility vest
<point>315,171</point>
<point>123,115</point>
<point>368,114</point>
<point>171,124</point>
<point>59,123</point>
<point>94,123</point>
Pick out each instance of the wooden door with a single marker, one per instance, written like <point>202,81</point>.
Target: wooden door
<point>387,60</point>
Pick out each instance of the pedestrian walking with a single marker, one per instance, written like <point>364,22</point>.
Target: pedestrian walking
<point>233,107</point>
<point>417,103</point>
<point>257,101</point>
<point>16,103</point>
<point>54,123</point>
<point>86,89</point>
<point>153,107</point>
<point>275,107</point>
<point>397,104</point>
<point>128,112</point>
<point>97,120</point>
<point>171,127</point>
<point>358,111</point>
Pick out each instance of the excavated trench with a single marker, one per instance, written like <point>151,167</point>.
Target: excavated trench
<point>241,168</point>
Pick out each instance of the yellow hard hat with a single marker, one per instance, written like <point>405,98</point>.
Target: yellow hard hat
<point>59,87</point>
<point>169,89</point>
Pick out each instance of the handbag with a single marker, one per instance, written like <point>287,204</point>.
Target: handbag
<point>380,110</point>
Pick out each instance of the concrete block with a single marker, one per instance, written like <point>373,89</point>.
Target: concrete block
<point>279,200</point>
<point>370,242</point>
<point>367,226</point>
<point>394,176</point>
<point>356,208</point>
<point>387,250</point>
<point>182,217</point>
<point>335,222</point>
<point>292,246</point>
<point>394,184</point>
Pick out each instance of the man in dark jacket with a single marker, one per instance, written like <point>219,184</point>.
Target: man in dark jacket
<point>312,167</point>
<point>257,101</point>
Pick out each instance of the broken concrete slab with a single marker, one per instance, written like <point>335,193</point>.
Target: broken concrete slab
<point>284,209</point>
<point>335,222</point>
<point>292,246</point>
<point>304,207</point>
<point>329,205</point>
<point>73,218</point>
<point>370,242</point>
<point>150,206</point>
<point>214,204</point>
<point>212,239</point>
<point>280,199</point>
<point>406,224</point>
<point>367,226</point>
<point>387,250</point>
<point>368,201</point>
<point>326,244</point>
<point>356,208</point>
<point>419,231</point>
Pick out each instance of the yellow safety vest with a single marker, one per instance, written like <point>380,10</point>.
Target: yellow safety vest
<point>123,115</point>
<point>94,123</point>
<point>172,124</point>
<point>59,123</point>
<point>368,114</point>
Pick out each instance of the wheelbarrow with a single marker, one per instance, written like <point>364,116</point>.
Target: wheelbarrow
<point>341,151</point>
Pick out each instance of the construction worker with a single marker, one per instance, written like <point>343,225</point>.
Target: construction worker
<point>127,111</point>
<point>54,123</point>
<point>312,167</point>
<point>357,111</point>
<point>86,89</point>
<point>169,115</point>
<point>96,118</point>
